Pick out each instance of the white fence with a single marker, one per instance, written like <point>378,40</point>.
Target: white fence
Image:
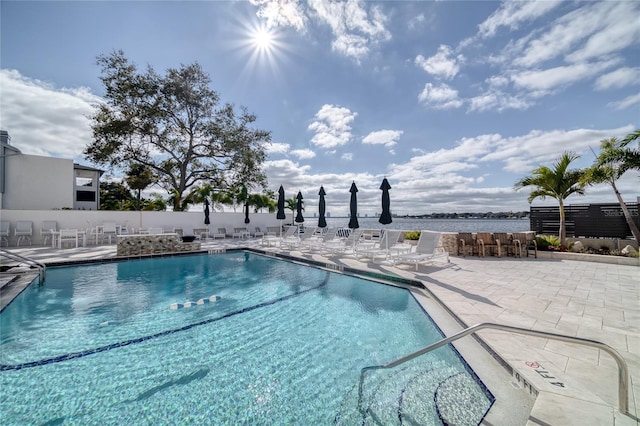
<point>133,220</point>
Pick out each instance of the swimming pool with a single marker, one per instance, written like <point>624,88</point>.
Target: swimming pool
<point>280,343</point>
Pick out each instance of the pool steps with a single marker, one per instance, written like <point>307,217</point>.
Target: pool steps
<point>190,304</point>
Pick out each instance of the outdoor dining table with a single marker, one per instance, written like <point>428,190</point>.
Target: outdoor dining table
<point>55,238</point>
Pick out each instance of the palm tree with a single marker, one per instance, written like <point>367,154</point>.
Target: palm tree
<point>291,204</point>
<point>558,183</point>
<point>612,162</point>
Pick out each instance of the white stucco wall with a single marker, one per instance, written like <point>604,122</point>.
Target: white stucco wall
<point>38,183</point>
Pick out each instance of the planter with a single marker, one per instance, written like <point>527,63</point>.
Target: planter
<point>584,257</point>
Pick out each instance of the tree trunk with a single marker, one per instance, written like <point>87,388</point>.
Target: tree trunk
<point>563,231</point>
<point>627,215</point>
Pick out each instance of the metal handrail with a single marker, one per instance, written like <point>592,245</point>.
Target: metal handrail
<point>40,266</point>
<point>623,370</point>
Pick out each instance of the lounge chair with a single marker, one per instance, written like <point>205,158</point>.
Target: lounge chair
<point>257,232</point>
<point>23,231</point>
<point>427,250</point>
<point>344,245</point>
<point>240,232</point>
<point>222,233</point>
<point>201,233</point>
<point>320,241</point>
<point>379,249</point>
<point>5,225</point>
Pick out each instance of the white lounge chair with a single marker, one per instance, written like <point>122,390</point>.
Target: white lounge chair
<point>346,244</point>
<point>379,249</point>
<point>23,231</point>
<point>258,233</point>
<point>109,231</point>
<point>222,233</point>
<point>427,250</point>
<point>319,242</point>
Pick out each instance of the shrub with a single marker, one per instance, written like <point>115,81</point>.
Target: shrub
<point>412,235</point>
<point>548,242</point>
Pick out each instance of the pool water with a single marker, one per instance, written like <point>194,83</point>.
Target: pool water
<point>281,344</point>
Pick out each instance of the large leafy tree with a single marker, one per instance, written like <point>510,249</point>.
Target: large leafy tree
<point>138,178</point>
<point>114,196</point>
<point>174,125</point>
<point>614,160</point>
<point>558,182</point>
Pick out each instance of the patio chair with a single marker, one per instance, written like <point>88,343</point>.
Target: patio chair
<point>5,226</point>
<point>524,241</point>
<point>68,236</point>
<point>47,231</point>
<point>109,230</point>
<point>466,244</point>
<point>239,232</point>
<point>427,250</point>
<point>257,232</point>
<point>23,231</point>
<point>505,243</point>
<point>379,249</point>
<point>486,243</point>
<point>155,231</point>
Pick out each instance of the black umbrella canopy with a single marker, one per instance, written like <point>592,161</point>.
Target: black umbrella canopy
<point>206,212</point>
<point>281,214</point>
<point>299,217</point>
<point>246,212</point>
<point>385,217</point>
<point>322,222</point>
<point>353,207</point>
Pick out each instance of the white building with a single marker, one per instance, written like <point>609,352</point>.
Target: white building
<point>33,182</point>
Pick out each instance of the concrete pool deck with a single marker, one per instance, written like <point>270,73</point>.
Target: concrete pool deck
<point>575,385</point>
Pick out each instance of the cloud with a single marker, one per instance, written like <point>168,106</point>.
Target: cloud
<point>439,97</point>
<point>551,78</point>
<point>619,78</point>
<point>355,28</point>
<point>281,13</point>
<point>511,14</point>
<point>332,126</point>
<point>347,156</point>
<point>498,101</point>
<point>277,148</point>
<point>303,154</point>
<point>626,102</point>
<point>44,120</point>
<point>443,64</point>
<point>387,138</point>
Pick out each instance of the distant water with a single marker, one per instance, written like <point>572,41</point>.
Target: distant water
<point>441,225</point>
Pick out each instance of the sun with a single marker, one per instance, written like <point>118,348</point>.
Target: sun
<point>262,39</point>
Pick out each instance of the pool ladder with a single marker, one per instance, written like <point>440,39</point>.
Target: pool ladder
<point>623,370</point>
<point>32,263</point>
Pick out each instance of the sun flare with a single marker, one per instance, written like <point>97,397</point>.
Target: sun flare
<point>263,39</point>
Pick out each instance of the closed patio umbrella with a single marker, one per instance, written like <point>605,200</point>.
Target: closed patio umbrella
<point>385,216</point>
<point>206,212</point>
<point>353,207</point>
<point>299,217</point>
<point>322,222</point>
<point>281,215</point>
<point>246,212</point>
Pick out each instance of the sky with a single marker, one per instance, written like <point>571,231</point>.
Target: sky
<point>451,101</point>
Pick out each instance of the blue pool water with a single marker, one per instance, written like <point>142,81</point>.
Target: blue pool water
<point>281,344</point>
